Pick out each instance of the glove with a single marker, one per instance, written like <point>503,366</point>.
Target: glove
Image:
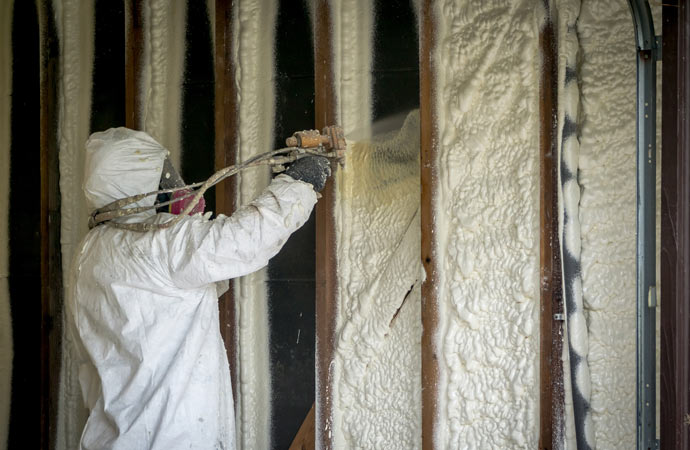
<point>314,170</point>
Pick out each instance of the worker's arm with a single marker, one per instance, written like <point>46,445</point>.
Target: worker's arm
<point>202,252</point>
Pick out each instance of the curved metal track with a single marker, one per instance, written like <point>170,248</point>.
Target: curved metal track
<point>647,56</point>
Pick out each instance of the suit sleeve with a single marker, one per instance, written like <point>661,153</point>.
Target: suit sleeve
<point>203,252</point>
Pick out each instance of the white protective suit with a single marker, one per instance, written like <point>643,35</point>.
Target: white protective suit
<point>144,306</point>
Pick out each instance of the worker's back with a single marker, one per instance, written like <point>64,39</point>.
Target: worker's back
<point>142,308</point>
<point>154,373</point>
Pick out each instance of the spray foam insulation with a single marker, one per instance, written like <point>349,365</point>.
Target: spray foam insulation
<point>254,31</point>
<point>487,216</point>
<point>377,388</point>
<point>607,215</point>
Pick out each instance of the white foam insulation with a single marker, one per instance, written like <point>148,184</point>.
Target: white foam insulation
<point>160,86</point>
<point>487,213</point>
<point>254,33</point>
<point>377,387</point>
<point>74,23</point>
<point>487,217</point>
<point>607,215</point>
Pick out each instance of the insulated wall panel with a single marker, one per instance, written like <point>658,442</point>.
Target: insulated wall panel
<point>607,214</point>
<point>253,29</point>
<point>74,20</point>
<point>377,392</point>
<point>487,217</point>
<point>375,371</point>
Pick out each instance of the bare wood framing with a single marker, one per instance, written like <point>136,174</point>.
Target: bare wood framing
<point>51,252</point>
<point>675,228</point>
<point>551,394</point>
<point>225,155</point>
<point>305,437</point>
<point>428,173</point>
<point>134,48</point>
<point>326,274</point>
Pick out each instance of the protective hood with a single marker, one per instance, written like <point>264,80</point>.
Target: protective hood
<point>120,163</point>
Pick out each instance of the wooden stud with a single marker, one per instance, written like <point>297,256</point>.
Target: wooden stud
<point>51,251</point>
<point>675,228</point>
<point>326,273</point>
<point>225,155</point>
<point>429,179</point>
<point>552,397</point>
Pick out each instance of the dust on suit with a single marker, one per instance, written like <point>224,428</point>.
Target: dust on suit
<point>143,308</point>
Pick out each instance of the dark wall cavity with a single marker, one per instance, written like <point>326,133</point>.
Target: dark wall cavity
<point>291,273</point>
<point>396,59</point>
<point>198,128</point>
<point>24,209</point>
<point>108,90</point>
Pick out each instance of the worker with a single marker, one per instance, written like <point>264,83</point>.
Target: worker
<point>143,309</point>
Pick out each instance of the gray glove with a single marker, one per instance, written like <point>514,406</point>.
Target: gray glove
<point>314,170</point>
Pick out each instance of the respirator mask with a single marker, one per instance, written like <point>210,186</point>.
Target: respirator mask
<point>179,200</point>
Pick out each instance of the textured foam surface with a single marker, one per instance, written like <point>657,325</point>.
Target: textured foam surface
<point>163,69</point>
<point>352,22</point>
<point>607,215</point>
<point>351,34</point>
<point>74,23</point>
<point>254,24</point>
<point>577,380</point>
<point>377,387</point>
<point>487,216</point>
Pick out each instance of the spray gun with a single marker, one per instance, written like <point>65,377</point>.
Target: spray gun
<point>330,139</point>
<point>330,143</point>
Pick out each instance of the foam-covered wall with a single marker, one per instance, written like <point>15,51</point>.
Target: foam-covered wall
<point>6,349</point>
<point>607,214</point>
<point>487,217</point>
<point>163,69</point>
<point>376,384</point>
<point>74,24</point>
<point>254,31</point>
<point>579,431</point>
<point>352,35</point>
<point>599,198</point>
<point>377,387</point>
